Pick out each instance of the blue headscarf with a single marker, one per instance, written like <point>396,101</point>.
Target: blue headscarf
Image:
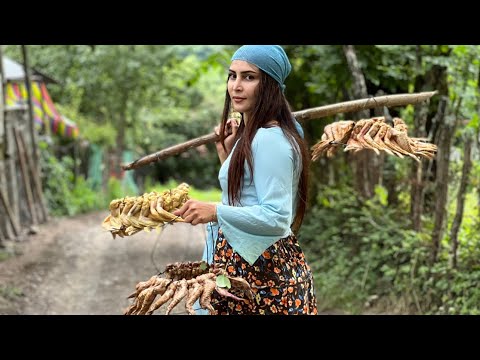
<point>269,58</point>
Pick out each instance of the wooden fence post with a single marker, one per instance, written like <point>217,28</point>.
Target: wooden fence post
<point>25,176</point>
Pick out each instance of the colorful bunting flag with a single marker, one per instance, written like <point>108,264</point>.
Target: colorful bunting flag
<point>44,111</point>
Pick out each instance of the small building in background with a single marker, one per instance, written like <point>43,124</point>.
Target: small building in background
<point>46,117</point>
<point>22,204</point>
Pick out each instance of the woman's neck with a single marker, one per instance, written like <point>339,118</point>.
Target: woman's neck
<point>245,118</point>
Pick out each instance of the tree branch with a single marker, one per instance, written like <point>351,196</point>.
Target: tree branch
<point>308,114</point>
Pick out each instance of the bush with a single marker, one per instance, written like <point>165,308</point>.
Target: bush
<point>63,194</point>
<point>358,250</point>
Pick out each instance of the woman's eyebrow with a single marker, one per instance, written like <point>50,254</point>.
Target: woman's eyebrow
<point>242,72</point>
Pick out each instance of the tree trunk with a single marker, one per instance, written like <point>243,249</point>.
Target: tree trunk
<point>434,79</point>
<point>34,157</point>
<point>10,165</point>
<point>28,86</point>
<point>359,84</point>
<point>36,183</point>
<point>379,160</point>
<point>22,158</point>
<point>4,227</point>
<point>420,120</point>
<point>7,222</point>
<point>477,139</point>
<point>363,162</point>
<point>477,136</point>
<point>447,125</point>
<point>457,221</point>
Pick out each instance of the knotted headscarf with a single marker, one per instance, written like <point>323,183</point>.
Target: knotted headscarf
<point>270,58</point>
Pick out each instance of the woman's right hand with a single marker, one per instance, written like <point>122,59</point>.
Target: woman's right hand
<point>230,134</point>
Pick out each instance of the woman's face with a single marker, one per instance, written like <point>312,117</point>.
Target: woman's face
<point>243,80</point>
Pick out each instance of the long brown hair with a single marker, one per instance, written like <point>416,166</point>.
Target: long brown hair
<point>271,104</point>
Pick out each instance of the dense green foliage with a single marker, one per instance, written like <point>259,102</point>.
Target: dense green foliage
<point>357,248</point>
<point>64,195</point>
<point>361,251</point>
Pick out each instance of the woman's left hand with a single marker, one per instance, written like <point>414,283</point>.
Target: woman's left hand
<point>197,212</point>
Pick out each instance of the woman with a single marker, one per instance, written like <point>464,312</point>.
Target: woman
<point>263,177</point>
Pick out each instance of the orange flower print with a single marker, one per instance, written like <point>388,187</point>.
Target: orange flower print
<point>276,278</point>
<point>274,291</point>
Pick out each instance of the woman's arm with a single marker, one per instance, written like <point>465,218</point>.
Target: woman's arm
<point>229,139</point>
<point>273,178</point>
<point>198,212</point>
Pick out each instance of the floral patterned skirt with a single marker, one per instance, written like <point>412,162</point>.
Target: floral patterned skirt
<point>281,280</point>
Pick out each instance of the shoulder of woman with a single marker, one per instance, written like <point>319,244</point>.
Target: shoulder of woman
<point>271,133</point>
<point>272,138</point>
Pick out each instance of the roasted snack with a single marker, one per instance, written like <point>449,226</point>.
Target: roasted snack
<point>374,134</point>
<point>189,281</point>
<point>130,215</point>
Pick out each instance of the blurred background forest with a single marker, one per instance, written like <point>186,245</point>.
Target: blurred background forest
<point>381,232</point>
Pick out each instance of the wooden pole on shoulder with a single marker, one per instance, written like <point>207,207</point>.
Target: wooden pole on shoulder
<point>308,114</point>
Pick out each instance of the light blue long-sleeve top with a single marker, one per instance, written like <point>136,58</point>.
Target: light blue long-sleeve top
<point>267,205</point>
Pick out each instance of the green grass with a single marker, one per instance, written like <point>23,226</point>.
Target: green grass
<point>4,255</point>
<point>10,292</point>
<point>211,195</point>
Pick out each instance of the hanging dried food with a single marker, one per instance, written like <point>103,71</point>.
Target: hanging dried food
<point>130,215</point>
<point>374,134</point>
<point>189,281</point>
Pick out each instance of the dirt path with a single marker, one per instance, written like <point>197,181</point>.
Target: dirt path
<point>73,267</point>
